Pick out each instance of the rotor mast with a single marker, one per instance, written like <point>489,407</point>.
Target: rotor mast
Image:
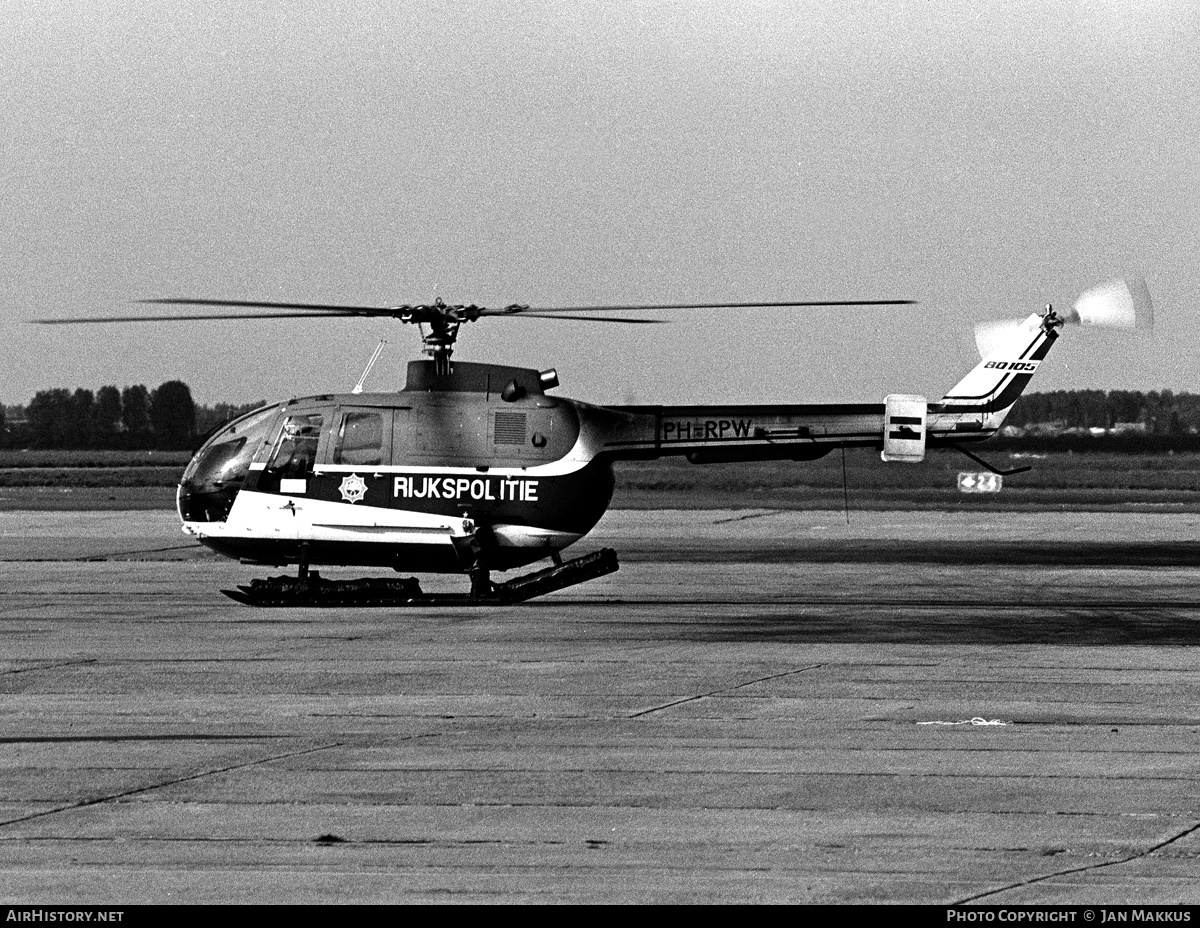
<point>438,342</point>
<point>439,323</point>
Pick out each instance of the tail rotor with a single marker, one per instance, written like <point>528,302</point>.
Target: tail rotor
<point>1118,304</point>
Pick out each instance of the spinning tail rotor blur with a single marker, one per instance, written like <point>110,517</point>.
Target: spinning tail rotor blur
<point>1118,304</point>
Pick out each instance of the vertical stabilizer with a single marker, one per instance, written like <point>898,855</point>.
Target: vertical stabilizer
<point>1011,353</point>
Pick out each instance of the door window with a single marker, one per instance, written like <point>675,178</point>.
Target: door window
<point>360,439</point>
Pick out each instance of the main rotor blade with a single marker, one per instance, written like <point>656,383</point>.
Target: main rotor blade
<point>539,314</point>
<point>312,308</point>
<point>328,314</point>
<point>751,305</point>
<point>190,317</point>
<point>425,312</point>
<point>530,310</point>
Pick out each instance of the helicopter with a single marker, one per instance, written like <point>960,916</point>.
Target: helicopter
<point>477,468</point>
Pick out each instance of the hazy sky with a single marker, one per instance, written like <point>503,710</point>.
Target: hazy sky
<point>982,158</point>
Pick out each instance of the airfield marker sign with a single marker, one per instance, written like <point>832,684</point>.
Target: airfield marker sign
<point>979,482</point>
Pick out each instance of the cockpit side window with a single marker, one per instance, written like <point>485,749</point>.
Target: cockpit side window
<point>295,450</point>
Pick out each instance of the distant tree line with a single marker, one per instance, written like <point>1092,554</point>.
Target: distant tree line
<point>164,419</point>
<point>1153,413</point>
<point>168,419</point>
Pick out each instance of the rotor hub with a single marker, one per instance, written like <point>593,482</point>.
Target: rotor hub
<point>439,323</point>
<point>1051,320</point>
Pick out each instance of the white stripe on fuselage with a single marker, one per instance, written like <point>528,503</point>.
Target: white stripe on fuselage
<point>266,516</point>
<point>560,468</point>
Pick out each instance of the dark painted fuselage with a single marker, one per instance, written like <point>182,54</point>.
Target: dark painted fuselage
<point>479,463</point>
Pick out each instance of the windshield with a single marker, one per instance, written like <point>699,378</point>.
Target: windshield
<point>221,466</point>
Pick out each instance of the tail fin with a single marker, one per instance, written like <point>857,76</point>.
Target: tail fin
<point>980,401</point>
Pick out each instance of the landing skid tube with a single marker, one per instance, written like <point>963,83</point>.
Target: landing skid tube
<point>313,590</point>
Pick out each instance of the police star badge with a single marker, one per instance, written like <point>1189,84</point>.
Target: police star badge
<point>353,488</point>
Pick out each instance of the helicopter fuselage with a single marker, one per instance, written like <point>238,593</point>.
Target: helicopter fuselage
<point>476,464</point>
<point>473,468</point>
<point>404,480</point>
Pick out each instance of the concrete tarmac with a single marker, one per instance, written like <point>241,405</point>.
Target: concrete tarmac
<point>759,706</point>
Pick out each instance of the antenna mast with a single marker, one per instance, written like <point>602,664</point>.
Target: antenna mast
<point>370,364</point>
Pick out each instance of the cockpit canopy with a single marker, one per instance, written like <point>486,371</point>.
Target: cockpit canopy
<point>284,451</point>
<point>221,466</point>
<point>279,448</point>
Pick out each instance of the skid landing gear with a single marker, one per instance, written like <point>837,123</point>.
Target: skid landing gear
<point>312,590</point>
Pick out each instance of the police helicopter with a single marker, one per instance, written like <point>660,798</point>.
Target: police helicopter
<point>478,468</point>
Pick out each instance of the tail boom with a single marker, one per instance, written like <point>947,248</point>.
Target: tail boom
<point>973,410</point>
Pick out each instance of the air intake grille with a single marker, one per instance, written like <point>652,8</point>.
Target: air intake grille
<point>510,428</point>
